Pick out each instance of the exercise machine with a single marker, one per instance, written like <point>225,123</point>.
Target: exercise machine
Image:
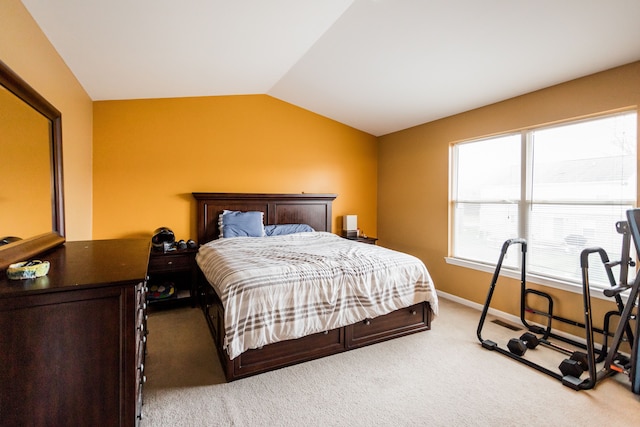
<point>615,361</point>
<point>578,362</point>
<point>624,263</point>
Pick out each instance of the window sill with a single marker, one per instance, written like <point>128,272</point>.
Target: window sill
<point>596,292</point>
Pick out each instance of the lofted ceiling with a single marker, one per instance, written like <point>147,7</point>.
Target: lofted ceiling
<point>376,65</point>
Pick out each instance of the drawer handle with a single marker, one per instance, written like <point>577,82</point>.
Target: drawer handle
<point>143,380</point>
<point>326,332</point>
<point>414,312</point>
<point>170,263</point>
<point>141,367</point>
<point>367,322</point>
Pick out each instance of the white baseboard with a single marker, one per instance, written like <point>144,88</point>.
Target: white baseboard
<point>504,315</point>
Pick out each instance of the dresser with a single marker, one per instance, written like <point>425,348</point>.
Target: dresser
<point>72,343</point>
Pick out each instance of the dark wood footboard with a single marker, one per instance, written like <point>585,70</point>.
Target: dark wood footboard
<point>398,323</point>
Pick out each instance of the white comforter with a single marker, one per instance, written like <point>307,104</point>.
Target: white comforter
<point>285,287</point>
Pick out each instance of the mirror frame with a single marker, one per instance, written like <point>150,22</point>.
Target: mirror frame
<point>30,246</point>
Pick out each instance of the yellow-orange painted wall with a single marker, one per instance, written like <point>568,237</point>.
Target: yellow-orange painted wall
<point>28,52</point>
<point>150,155</point>
<point>25,183</point>
<point>413,175</point>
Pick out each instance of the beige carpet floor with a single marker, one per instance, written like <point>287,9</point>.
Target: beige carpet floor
<point>441,377</point>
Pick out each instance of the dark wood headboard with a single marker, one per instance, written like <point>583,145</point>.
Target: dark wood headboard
<point>312,209</point>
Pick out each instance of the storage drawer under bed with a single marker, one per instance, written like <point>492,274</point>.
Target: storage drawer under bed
<point>285,353</point>
<point>395,324</point>
<point>401,322</point>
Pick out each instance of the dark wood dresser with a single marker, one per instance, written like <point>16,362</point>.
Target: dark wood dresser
<point>72,343</point>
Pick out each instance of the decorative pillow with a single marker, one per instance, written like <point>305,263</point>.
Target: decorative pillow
<point>241,224</point>
<point>282,229</point>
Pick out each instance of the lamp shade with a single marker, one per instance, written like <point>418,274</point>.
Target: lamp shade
<point>350,222</point>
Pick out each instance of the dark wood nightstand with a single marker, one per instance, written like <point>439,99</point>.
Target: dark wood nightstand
<point>177,267</point>
<point>368,240</point>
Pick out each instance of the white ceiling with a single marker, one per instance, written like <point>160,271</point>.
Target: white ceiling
<point>377,65</point>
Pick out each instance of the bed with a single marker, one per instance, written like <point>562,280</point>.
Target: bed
<point>253,336</point>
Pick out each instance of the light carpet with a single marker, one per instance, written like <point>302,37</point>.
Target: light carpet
<point>441,377</point>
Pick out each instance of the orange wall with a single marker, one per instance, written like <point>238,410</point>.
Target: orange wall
<point>24,147</point>
<point>150,155</point>
<point>27,51</point>
<point>413,174</point>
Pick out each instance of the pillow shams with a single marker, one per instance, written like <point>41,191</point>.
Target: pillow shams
<point>282,229</point>
<point>241,224</point>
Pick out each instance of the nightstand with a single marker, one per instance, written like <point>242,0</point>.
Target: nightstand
<point>177,267</point>
<point>368,240</point>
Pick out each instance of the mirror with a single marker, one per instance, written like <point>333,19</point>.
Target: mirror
<point>31,197</point>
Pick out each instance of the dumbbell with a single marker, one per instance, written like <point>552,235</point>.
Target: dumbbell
<point>575,365</point>
<point>519,346</point>
<point>530,340</point>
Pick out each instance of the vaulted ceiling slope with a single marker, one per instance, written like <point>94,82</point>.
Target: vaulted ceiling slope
<point>377,65</point>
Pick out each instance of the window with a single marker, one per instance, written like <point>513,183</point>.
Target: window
<point>562,188</point>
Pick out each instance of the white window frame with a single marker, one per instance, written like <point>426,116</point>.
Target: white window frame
<point>524,202</point>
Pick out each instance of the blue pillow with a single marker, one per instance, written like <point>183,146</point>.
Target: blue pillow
<point>241,224</point>
<point>282,229</point>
